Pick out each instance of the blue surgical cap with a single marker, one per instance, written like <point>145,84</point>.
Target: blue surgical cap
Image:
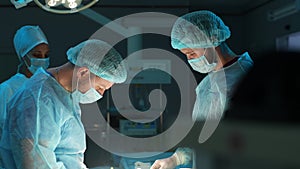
<point>199,29</point>
<point>100,58</point>
<point>28,37</point>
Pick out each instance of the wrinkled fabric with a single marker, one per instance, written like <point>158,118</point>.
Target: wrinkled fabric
<point>43,128</point>
<point>7,90</point>
<point>101,59</point>
<point>199,29</point>
<point>215,90</point>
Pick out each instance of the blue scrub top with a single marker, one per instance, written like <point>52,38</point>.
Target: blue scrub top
<point>43,128</point>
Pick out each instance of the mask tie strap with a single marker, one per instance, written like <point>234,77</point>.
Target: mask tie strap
<point>25,60</point>
<point>77,84</point>
<point>90,79</point>
<point>205,51</point>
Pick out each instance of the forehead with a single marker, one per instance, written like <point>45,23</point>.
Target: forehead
<point>40,47</point>
<point>189,50</point>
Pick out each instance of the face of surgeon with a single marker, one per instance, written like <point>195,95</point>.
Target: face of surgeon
<point>36,57</point>
<point>101,85</point>
<point>193,53</point>
<point>89,80</point>
<point>40,51</point>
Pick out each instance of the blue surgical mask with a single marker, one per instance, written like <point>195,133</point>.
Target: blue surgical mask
<point>201,64</point>
<point>36,63</point>
<point>88,97</point>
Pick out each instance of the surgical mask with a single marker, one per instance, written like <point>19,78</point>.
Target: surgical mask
<point>202,65</point>
<point>88,97</point>
<point>36,63</point>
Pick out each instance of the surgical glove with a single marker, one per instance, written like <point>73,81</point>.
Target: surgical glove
<point>166,163</point>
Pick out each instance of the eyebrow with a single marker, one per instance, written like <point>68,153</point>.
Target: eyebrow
<point>36,51</point>
<point>39,52</point>
<point>189,52</point>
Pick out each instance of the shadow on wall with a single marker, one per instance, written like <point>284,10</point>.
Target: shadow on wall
<point>271,90</point>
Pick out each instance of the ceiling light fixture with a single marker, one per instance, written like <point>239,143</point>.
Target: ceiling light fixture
<point>58,6</point>
<point>284,11</point>
<point>64,6</point>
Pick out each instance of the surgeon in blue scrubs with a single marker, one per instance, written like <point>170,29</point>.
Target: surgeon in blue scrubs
<point>201,36</point>
<point>44,128</point>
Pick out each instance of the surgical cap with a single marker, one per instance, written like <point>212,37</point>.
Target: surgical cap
<point>100,58</point>
<point>26,38</point>
<point>200,29</point>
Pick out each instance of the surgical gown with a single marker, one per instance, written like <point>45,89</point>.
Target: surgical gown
<point>43,128</point>
<point>7,90</point>
<point>216,89</point>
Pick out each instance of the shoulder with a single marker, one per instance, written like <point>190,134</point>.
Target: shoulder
<point>203,84</point>
<point>245,62</point>
<point>12,84</point>
<point>32,87</point>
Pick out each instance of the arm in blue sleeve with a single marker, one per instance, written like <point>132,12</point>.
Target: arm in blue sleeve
<point>34,133</point>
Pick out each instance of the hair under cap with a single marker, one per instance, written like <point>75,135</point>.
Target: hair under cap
<point>100,58</point>
<point>199,29</point>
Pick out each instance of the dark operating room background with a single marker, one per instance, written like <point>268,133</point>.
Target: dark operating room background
<point>262,128</point>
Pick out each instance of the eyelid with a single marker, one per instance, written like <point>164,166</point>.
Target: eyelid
<point>39,55</point>
<point>101,88</point>
<point>36,54</point>
<point>191,54</point>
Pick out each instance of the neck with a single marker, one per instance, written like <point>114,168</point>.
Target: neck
<point>23,70</point>
<point>63,75</point>
<point>225,55</point>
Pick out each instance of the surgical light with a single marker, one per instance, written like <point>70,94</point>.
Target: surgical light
<point>71,4</point>
<point>58,6</point>
<point>65,6</point>
<point>53,3</point>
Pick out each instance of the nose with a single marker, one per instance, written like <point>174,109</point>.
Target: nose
<point>44,55</point>
<point>40,55</point>
<point>101,91</point>
<point>190,57</point>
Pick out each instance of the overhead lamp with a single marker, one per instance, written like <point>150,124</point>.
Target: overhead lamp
<point>64,6</point>
<point>58,6</point>
<point>71,4</point>
<point>284,11</point>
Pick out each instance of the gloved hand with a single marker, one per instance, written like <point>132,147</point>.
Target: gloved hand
<point>166,163</point>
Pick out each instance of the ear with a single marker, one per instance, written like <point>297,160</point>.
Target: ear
<point>82,72</point>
